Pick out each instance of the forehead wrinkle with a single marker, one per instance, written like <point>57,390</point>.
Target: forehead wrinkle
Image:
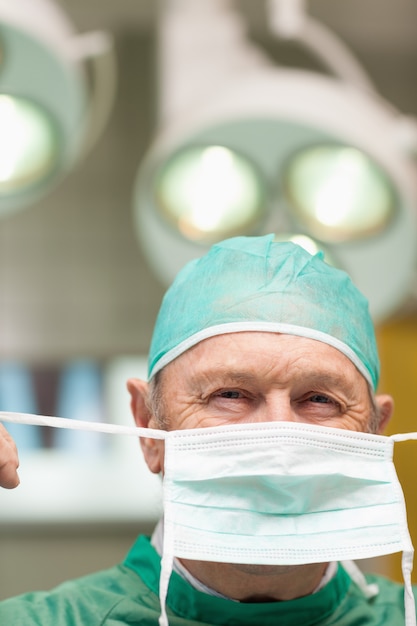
<point>328,379</point>
<point>230,364</point>
<point>223,374</point>
<point>226,374</point>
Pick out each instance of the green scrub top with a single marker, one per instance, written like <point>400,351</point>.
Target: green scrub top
<point>127,595</point>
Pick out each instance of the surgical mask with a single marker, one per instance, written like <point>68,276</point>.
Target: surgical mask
<point>282,494</point>
<point>275,493</point>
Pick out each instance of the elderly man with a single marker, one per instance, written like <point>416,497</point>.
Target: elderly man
<point>262,372</point>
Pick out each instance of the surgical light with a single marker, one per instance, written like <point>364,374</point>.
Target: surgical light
<point>338,192</point>
<point>29,144</point>
<point>56,92</point>
<point>209,192</point>
<point>333,160</point>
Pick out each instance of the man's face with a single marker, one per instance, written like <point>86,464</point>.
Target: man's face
<point>252,377</point>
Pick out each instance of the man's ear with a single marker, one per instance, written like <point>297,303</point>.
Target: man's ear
<point>385,405</point>
<point>153,449</point>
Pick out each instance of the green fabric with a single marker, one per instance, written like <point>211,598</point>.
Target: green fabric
<point>256,283</point>
<point>127,595</point>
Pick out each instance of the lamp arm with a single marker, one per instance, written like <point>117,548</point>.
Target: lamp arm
<point>97,49</point>
<point>289,20</point>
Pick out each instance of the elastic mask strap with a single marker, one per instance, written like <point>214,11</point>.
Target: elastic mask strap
<point>403,436</point>
<point>167,562</point>
<point>369,590</point>
<point>407,558</point>
<point>409,602</point>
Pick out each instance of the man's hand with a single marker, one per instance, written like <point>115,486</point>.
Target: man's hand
<point>9,460</point>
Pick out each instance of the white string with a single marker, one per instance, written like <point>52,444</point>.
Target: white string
<point>404,436</point>
<point>114,429</point>
<point>98,427</point>
<point>134,431</point>
<point>409,601</point>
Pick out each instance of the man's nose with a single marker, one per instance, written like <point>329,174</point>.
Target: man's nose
<point>279,410</point>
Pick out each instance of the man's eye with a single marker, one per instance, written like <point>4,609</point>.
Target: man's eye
<point>230,394</point>
<point>318,397</point>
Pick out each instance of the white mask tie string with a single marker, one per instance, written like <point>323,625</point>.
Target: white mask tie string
<point>98,427</point>
<point>194,455</point>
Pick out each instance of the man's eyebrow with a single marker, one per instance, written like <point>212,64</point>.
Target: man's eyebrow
<point>223,375</point>
<point>226,376</point>
<point>327,378</point>
<point>313,375</point>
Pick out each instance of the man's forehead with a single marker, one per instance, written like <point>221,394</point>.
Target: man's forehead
<point>243,357</point>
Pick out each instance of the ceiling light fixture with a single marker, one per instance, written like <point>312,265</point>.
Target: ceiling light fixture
<point>209,192</point>
<point>324,156</point>
<point>338,192</point>
<point>51,111</point>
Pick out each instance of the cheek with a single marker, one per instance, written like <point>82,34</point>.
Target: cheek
<point>357,421</point>
<point>187,415</point>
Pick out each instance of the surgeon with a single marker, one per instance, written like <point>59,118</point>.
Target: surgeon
<point>262,418</point>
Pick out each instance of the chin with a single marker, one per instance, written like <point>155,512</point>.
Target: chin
<point>262,570</point>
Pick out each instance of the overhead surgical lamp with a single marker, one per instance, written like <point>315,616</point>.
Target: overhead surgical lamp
<point>338,192</point>
<point>248,148</point>
<point>209,192</point>
<point>56,92</point>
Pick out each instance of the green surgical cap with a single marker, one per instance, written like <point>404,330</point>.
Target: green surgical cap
<point>258,284</point>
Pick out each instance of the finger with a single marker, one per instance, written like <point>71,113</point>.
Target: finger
<point>9,460</point>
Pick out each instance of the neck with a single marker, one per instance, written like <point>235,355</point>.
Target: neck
<point>258,583</point>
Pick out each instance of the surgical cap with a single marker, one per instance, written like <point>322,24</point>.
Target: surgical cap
<point>258,284</point>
